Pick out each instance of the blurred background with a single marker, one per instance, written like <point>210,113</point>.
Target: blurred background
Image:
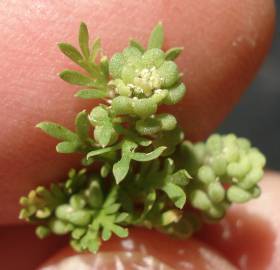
<point>257,116</point>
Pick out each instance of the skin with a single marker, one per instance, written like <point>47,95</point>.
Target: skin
<point>225,43</point>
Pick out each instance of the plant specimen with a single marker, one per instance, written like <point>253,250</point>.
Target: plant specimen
<point>138,167</point>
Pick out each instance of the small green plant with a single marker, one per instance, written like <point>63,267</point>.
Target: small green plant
<point>149,175</point>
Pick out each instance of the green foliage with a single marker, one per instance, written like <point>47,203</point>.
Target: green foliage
<point>148,175</point>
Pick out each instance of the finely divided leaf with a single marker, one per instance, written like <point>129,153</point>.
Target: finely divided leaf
<point>83,40</point>
<point>156,37</point>
<point>57,131</point>
<point>173,53</point>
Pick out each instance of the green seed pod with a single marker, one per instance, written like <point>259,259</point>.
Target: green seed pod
<point>116,65</point>
<point>168,71</point>
<point>251,179</point>
<point>256,158</point>
<point>216,192</point>
<point>60,227</point>
<point>128,74</point>
<point>158,96</point>
<point>43,213</point>
<point>206,174</point>
<point>148,126</point>
<point>199,151</point>
<point>80,217</point>
<point>97,115</point>
<point>64,211</point>
<point>231,153</point>
<point>77,233</point>
<point>94,194</point>
<point>175,94</point>
<point>216,212</point>
<point>214,144</point>
<point>239,169</point>
<point>77,201</point>
<point>144,107</point>
<point>153,58</point>
<point>200,200</point>
<point>167,121</point>
<point>42,231</point>
<point>219,165</point>
<point>121,88</point>
<point>122,105</point>
<point>238,195</point>
<point>244,144</point>
<point>131,55</point>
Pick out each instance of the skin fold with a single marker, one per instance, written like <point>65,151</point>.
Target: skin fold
<point>225,43</point>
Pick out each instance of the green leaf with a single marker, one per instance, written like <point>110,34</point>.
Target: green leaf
<point>149,203</point>
<point>121,168</point>
<point>180,178</point>
<point>176,194</point>
<point>104,65</point>
<point>57,131</point>
<point>103,134</point>
<point>148,156</point>
<point>99,115</point>
<point>167,121</point>
<point>173,53</point>
<point>148,126</point>
<point>71,52</point>
<point>82,125</point>
<point>156,37</point>
<point>122,217</point>
<point>77,78</point>
<point>137,45</point>
<point>83,40</point>
<point>68,147</point>
<point>106,234</point>
<point>101,151</point>
<point>91,93</point>
<point>96,47</point>
<point>119,231</point>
